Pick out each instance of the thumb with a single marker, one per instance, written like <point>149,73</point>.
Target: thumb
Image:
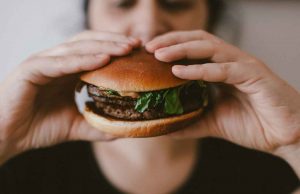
<point>81,130</point>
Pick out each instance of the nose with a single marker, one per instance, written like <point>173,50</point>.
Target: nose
<point>149,21</point>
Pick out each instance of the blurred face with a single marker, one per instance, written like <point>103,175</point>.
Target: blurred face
<point>146,19</point>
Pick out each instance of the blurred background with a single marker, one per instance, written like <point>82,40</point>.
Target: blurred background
<point>268,29</point>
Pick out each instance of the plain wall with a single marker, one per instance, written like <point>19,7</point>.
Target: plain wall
<point>270,30</point>
<point>30,26</point>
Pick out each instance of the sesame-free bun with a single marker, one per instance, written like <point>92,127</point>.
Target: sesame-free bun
<point>147,128</point>
<point>137,72</point>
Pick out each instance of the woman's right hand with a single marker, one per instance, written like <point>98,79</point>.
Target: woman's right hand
<point>37,107</point>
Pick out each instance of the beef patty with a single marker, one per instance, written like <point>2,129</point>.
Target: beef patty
<point>120,107</point>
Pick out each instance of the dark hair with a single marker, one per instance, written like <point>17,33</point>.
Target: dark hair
<point>215,7</point>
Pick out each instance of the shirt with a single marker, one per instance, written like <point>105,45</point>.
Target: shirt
<point>221,167</point>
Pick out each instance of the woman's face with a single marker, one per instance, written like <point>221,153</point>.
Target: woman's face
<point>146,19</point>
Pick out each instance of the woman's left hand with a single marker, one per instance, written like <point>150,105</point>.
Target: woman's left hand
<point>255,107</point>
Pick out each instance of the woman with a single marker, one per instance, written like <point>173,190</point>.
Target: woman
<point>256,109</point>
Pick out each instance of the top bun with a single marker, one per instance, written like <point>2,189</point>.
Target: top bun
<point>139,71</point>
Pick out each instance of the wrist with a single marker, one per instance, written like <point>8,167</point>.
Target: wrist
<point>291,154</point>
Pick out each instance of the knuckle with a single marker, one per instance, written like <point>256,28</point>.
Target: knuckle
<point>184,48</point>
<point>253,62</point>
<point>202,71</point>
<point>208,45</point>
<point>224,68</point>
<point>255,66</point>
<point>58,61</point>
<point>211,46</point>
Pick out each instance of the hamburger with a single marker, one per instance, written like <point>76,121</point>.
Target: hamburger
<point>138,96</point>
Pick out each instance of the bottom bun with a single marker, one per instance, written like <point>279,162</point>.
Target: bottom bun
<point>148,128</point>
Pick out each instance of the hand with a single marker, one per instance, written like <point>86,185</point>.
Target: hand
<point>254,108</point>
<point>37,106</point>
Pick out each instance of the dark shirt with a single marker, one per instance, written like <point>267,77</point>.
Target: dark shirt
<point>222,167</point>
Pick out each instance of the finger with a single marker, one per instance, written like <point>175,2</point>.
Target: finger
<point>89,47</point>
<point>106,36</point>
<point>184,44</point>
<point>189,50</point>
<point>173,38</point>
<point>81,130</point>
<point>40,71</point>
<point>230,73</point>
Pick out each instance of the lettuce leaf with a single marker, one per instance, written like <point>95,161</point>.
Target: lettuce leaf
<point>169,99</point>
<point>112,92</point>
<point>143,102</point>
<point>172,103</point>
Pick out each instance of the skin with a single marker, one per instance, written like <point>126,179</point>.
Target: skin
<point>247,105</point>
<point>254,107</point>
<point>27,122</point>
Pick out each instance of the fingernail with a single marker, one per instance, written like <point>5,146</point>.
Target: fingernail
<point>149,47</point>
<point>149,44</point>
<point>178,68</point>
<point>160,53</point>
<point>162,50</point>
